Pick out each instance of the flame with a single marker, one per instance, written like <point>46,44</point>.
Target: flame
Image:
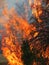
<point>36,34</point>
<point>9,50</point>
<point>16,30</point>
<point>36,9</point>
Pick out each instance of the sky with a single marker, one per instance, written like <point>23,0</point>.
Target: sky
<point>11,3</point>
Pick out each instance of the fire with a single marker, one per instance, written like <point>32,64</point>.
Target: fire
<point>18,29</point>
<point>36,9</point>
<point>36,34</point>
<point>9,51</point>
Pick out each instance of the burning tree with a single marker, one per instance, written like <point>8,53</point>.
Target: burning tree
<point>24,43</point>
<point>39,41</point>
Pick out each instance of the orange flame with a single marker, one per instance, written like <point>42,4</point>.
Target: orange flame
<point>36,9</point>
<point>17,29</point>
